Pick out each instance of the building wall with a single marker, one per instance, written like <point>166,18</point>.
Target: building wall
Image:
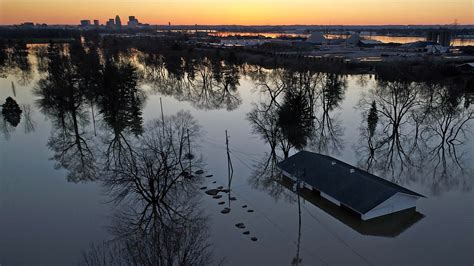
<point>395,203</point>
<point>331,199</point>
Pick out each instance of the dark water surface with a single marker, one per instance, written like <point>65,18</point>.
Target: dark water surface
<point>66,197</point>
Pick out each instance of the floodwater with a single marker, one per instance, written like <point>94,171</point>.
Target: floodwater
<point>381,38</point>
<point>70,169</point>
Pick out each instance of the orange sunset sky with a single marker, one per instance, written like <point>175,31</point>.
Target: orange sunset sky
<point>243,12</point>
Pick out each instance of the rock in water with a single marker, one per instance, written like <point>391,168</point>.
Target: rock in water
<point>240,225</point>
<point>209,176</point>
<point>212,192</point>
<point>222,202</point>
<point>217,196</point>
<point>253,238</point>
<point>246,232</point>
<point>249,210</point>
<point>199,172</point>
<point>225,210</point>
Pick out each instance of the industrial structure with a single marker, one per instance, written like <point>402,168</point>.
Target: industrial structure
<point>443,37</point>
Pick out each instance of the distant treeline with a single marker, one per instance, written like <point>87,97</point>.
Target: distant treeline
<point>26,33</point>
<point>179,47</point>
<point>175,48</point>
<point>30,34</point>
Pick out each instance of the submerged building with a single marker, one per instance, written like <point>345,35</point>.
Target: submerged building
<point>353,189</point>
<point>391,225</point>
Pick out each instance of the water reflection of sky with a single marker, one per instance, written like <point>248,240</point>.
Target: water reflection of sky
<point>44,218</point>
<point>381,38</point>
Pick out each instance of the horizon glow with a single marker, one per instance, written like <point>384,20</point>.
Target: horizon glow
<point>243,12</point>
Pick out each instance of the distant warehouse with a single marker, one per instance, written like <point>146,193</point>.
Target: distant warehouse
<point>357,190</point>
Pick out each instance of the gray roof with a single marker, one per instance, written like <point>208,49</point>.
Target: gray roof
<point>359,190</point>
<point>390,225</point>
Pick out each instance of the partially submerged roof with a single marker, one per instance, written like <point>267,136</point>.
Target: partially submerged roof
<point>355,188</point>
<point>390,225</point>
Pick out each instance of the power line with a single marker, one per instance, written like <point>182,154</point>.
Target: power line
<point>277,227</point>
<point>280,229</point>
<point>242,161</point>
<point>337,236</point>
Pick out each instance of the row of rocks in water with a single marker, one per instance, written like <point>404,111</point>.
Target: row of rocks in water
<point>242,226</point>
<point>215,194</point>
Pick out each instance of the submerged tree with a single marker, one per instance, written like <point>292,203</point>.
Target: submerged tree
<point>295,119</point>
<point>11,112</point>
<point>415,131</point>
<point>206,83</point>
<point>62,99</point>
<point>160,223</point>
<point>120,103</point>
<point>328,132</point>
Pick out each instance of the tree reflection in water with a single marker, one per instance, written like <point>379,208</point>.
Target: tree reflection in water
<point>120,103</point>
<point>295,113</point>
<point>77,78</point>
<point>444,128</point>
<point>207,83</point>
<point>160,222</point>
<point>393,140</point>
<point>147,171</point>
<point>327,137</point>
<point>413,131</point>
<point>20,63</point>
<point>61,97</point>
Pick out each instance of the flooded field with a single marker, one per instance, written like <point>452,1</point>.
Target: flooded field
<point>122,157</point>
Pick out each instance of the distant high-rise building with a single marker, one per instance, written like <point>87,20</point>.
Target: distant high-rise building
<point>132,21</point>
<point>27,24</point>
<point>85,22</point>
<point>110,23</point>
<point>118,22</point>
<point>96,23</point>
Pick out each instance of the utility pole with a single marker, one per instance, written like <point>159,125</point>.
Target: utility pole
<point>189,151</point>
<point>230,169</point>
<point>297,260</point>
<point>162,118</point>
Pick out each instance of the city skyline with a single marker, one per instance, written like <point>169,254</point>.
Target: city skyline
<point>246,12</point>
